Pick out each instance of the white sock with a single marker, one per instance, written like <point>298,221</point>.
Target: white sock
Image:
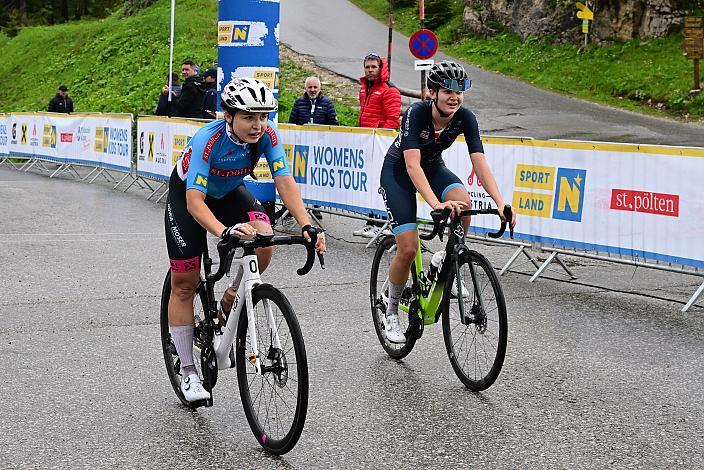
<point>182,336</point>
<point>395,291</point>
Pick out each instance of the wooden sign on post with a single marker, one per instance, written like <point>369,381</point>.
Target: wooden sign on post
<point>694,43</point>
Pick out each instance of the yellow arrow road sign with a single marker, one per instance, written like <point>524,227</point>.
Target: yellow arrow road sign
<point>584,12</point>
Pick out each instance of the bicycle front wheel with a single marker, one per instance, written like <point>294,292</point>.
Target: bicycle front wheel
<point>378,296</point>
<point>475,341</point>
<point>275,399</point>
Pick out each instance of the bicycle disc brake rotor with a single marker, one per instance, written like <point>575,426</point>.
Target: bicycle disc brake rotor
<point>278,366</point>
<point>479,318</point>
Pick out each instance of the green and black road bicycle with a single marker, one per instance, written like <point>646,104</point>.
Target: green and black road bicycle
<point>462,287</point>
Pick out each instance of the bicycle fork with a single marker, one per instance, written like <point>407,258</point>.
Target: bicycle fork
<point>458,251</point>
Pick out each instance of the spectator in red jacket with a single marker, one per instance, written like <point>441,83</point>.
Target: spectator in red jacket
<point>380,106</point>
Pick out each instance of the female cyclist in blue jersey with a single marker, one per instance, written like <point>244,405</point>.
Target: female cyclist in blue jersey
<point>414,163</point>
<point>207,192</point>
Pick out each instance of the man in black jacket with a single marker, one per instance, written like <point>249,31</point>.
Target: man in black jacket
<point>61,103</point>
<point>313,107</point>
<point>190,102</point>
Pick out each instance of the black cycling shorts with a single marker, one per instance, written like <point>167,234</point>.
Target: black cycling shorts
<point>399,193</point>
<point>185,237</point>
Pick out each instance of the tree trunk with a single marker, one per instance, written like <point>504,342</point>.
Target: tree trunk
<point>64,10</point>
<point>23,11</point>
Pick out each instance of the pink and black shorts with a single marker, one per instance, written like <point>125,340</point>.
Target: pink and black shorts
<point>184,235</point>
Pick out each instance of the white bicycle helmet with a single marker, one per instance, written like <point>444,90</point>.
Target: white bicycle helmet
<point>248,94</point>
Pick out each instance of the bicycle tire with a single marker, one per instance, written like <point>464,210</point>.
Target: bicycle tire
<point>171,359</point>
<point>488,327</point>
<point>281,439</point>
<point>382,260</point>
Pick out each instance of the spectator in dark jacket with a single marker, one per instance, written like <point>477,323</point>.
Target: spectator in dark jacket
<point>313,107</point>
<point>61,103</point>
<point>210,102</point>
<point>190,103</point>
<point>166,107</point>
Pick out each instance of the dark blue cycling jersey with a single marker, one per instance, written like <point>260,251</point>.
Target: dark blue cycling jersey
<point>215,164</point>
<point>417,132</point>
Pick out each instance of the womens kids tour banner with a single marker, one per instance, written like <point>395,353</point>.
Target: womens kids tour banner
<point>160,142</point>
<point>4,135</point>
<point>102,140</point>
<point>335,166</point>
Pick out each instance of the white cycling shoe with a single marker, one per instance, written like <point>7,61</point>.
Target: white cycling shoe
<point>392,328</point>
<point>453,290</point>
<point>192,388</point>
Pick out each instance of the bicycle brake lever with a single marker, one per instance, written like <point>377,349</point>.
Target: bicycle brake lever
<point>322,261</point>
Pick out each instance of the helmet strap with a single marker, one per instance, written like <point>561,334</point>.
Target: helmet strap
<point>442,114</point>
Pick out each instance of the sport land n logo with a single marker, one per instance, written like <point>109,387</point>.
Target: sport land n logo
<point>554,192</point>
<point>49,136</point>
<point>300,163</point>
<point>101,139</point>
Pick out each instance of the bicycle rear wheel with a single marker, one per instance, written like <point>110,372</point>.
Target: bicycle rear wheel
<point>378,296</point>
<point>171,359</point>
<point>275,401</point>
<point>476,344</point>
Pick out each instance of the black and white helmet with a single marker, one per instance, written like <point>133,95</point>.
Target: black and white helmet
<point>248,94</point>
<point>450,75</point>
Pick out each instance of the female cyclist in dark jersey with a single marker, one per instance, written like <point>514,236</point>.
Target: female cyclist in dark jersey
<point>207,192</point>
<point>414,163</point>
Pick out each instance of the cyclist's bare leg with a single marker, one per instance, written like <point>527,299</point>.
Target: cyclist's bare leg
<point>183,290</point>
<point>460,194</point>
<point>263,258</point>
<point>406,247</point>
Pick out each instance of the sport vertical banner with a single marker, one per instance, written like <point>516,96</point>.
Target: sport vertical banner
<point>248,42</point>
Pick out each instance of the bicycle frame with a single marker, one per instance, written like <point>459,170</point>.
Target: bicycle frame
<point>223,342</point>
<point>430,297</point>
<point>430,294</point>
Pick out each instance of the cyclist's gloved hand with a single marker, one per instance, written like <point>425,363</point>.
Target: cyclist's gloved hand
<point>512,220</point>
<point>309,232</point>
<point>245,231</point>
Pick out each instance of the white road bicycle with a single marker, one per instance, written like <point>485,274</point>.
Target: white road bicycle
<point>265,344</point>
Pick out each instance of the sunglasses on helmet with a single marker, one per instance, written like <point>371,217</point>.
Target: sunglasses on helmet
<point>455,85</point>
<point>372,55</point>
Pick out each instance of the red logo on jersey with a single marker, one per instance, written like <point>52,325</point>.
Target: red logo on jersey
<point>186,159</point>
<point>229,173</point>
<point>272,135</point>
<point>209,146</point>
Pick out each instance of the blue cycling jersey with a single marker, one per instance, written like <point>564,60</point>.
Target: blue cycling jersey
<point>215,164</point>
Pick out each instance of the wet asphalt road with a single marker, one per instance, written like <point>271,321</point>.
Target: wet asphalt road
<point>337,35</point>
<point>604,372</point>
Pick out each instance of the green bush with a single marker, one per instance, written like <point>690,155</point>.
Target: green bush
<point>437,13</point>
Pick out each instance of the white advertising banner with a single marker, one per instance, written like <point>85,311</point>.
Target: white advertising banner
<point>633,200</point>
<point>160,142</point>
<point>103,140</point>
<point>4,135</point>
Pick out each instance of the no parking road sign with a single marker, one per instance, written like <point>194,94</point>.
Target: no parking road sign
<point>423,44</point>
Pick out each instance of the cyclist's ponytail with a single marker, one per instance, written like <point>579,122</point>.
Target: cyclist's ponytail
<point>254,159</point>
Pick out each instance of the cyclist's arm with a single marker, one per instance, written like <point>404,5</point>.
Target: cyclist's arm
<point>291,197</point>
<point>420,181</point>
<point>195,203</point>
<point>486,177</point>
